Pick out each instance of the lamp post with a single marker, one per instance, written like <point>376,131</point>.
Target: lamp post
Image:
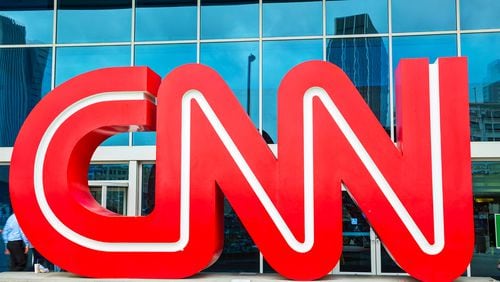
<point>251,58</point>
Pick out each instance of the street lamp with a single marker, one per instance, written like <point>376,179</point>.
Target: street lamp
<point>251,58</point>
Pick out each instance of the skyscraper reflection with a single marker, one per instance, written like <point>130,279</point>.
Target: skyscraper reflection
<point>364,60</point>
<point>21,79</point>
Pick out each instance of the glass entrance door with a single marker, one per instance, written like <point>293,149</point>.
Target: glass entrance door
<point>363,252</point>
<point>387,265</point>
<point>358,253</point>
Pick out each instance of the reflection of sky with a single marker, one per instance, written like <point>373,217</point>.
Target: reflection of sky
<point>279,58</point>
<point>376,9</point>
<point>288,19</point>
<point>106,25</point>
<point>423,15</point>
<point>230,60</point>
<point>38,24</point>
<point>481,50</point>
<point>476,14</point>
<point>164,58</point>
<point>231,21</point>
<point>430,47</point>
<point>47,75</point>
<point>72,61</point>
<point>169,23</point>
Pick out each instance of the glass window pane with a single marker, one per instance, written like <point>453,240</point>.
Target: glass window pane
<point>279,58</point>
<point>165,20</point>
<point>96,192</point>
<point>366,62</point>
<point>116,199</point>
<point>26,22</point>
<point>72,61</point>
<point>486,185</point>
<point>477,14</point>
<point>483,57</point>
<point>229,20</point>
<point>148,188</point>
<point>431,47</point>
<point>239,254</point>
<point>356,17</point>
<point>162,59</point>
<point>108,172</point>
<point>94,21</point>
<point>356,252</point>
<point>423,15</point>
<point>237,63</point>
<point>25,76</point>
<point>286,18</point>
<point>5,210</point>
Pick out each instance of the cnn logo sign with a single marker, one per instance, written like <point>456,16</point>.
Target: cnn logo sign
<point>416,195</point>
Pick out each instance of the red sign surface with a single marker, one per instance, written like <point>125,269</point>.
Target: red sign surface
<point>416,195</point>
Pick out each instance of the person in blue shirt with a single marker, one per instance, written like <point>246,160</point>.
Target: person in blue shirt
<point>16,244</point>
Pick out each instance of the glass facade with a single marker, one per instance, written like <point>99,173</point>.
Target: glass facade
<point>484,84</point>
<point>350,17</point>
<point>279,58</point>
<point>162,20</point>
<point>102,21</point>
<point>252,44</point>
<point>27,23</point>
<point>243,18</point>
<point>424,15</point>
<point>486,183</point>
<point>231,60</point>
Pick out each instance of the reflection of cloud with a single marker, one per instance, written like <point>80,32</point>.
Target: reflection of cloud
<point>230,21</point>
<point>230,60</point>
<point>423,15</point>
<point>278,59</point>
<point>281,56</point>
<point>94,25</point>
<point>288,19</point>
<point>73,61</point>
<point>481,49</point>
<point>479,14</point>
<point>174,23</point>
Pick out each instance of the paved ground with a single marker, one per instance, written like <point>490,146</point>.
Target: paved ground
<point>64,276</point>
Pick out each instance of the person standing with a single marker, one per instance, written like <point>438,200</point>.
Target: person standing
<point>16,244</point>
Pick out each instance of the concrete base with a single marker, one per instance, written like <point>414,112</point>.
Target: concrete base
<point>211,277</point>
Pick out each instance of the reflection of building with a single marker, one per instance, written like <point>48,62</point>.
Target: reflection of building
<point>485,117</point>
<point>491,90</point>
<point>485,121</point>
<point>364,60</point>
<point>21,77</point>
<point>110,171</point>
<point>11,32</point>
